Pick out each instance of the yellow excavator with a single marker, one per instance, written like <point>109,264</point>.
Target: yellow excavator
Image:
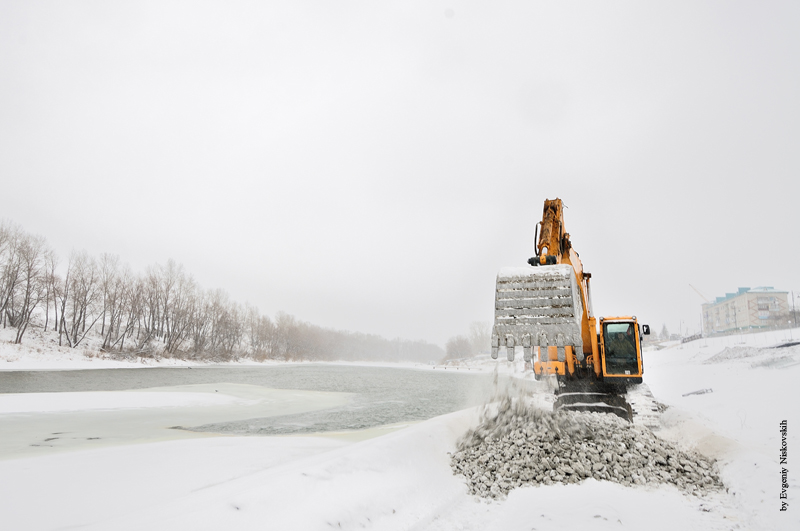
<point>546,308</point>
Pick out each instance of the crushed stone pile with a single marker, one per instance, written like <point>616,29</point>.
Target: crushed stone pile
<point>516,445</point>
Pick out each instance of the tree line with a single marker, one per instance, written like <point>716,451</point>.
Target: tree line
<point>161,312</point>
<point>476,341</point>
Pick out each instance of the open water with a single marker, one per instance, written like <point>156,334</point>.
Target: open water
<point>381,396</point>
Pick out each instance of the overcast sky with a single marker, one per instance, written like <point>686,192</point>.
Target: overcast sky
<point>371,165</point>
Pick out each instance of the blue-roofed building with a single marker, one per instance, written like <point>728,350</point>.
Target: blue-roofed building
<point>746,309</point>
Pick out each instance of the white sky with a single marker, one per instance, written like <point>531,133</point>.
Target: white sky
<point>371,165</point>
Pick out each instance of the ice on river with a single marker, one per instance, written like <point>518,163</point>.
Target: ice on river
<point>108,400</point>
<point>38,424</point>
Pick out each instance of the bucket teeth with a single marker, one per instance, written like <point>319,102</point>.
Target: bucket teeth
<point>537,306</point>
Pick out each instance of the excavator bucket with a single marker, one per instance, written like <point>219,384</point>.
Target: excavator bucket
<point>537,306</point>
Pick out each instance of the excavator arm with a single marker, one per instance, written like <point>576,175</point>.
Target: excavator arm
<point>551,242</point>
<point>554,247</point>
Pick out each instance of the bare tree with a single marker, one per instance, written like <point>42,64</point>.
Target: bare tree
<point>108,270</point>
<point>149,315</point>
<point>260,334</point>
<point>31,287</point>
<point>285,326</point>
<point>10,236</point>
<point>480,337</point>
<point>178,307</point>
<point>51,281</point>
<point>229,329</point>
<point>81,295</point>
<point>200,324</point>
<point>130,309</point>
<point>61,293</point>
<point>458,347</point>
<point>117,302</point>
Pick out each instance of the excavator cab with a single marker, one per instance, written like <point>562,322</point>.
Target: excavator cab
<point>622,352</point>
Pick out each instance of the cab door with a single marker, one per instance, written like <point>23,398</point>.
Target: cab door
<point>621,357</point>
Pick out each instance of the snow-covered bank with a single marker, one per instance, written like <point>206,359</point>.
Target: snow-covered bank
<point>396,482</point>
<point>90,487</point>
<point>40,351</point>
<point>752,380</point>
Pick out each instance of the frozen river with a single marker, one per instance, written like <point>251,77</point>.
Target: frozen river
<point>45,411</point>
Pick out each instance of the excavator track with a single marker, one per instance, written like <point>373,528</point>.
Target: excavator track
<point>637,405</point>
<point>644,406</point>
<point>594,402</point>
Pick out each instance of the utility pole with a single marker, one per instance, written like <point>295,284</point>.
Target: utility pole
<point>702,314</point>
<point>736,323</point>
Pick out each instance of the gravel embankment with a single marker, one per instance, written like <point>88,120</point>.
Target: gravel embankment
<point>519,445</point>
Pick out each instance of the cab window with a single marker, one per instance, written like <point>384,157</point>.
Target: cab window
<point>620,348</point>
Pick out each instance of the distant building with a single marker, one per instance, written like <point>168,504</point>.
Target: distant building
<point>755,308</point>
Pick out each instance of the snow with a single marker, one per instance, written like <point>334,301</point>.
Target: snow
<point>94,486</point>
<point>530,272</point>
<point>402,479</point>
<point>40,351</point>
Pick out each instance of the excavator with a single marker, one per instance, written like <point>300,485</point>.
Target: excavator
<point>546,308</point>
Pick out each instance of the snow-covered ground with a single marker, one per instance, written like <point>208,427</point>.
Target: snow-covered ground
<point>40,350</point>
<point>402,479</point>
